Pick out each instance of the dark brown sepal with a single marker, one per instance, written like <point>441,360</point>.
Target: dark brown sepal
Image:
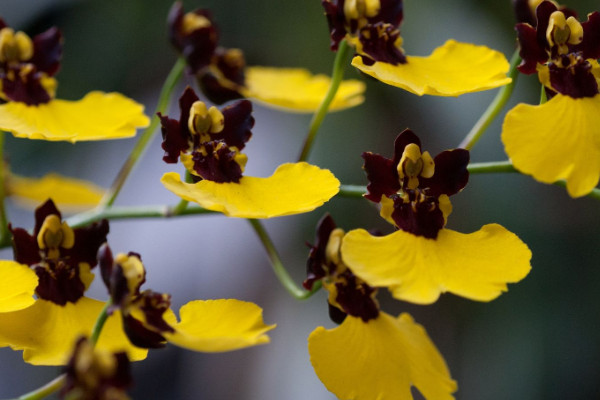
<point>316,257</point>
<point>87,242</point>
<point>25,247</point>
<point>590,46</point>
<point>59,283</point>
<point>47,51</point>
<point>451,174</point>
<point>218,165</point>
<point>238,124</point>
<point>176,134</point>
<point>334,12</point>
<point>106,264</point>
<point>576,81</point>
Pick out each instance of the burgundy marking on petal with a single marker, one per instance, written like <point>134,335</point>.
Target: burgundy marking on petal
<point>141,336</point>
<point>356,298</point>
<point>238,124</point>
<point>231,66</point>
<point>576,81</point>
<point>316,256</point>
<point>26,89</point>
<point>61,284</point>
<point>154,305</point>
<point>218,165</point>
<point>47,51</point>
<point>379,44</point>
<point>451,174</point>
<point>421,218</point>
<point>382,176</point>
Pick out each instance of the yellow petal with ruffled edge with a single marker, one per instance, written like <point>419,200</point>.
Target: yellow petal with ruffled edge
<point>47,332</point>
<point>17,285</point>
<point>477,265</point>
<point>219,325</point>
<point>69,194</point>
<point>98,116</point>
<point>380,359</point>
<point>559,139</point>
<point>451,70</point>
<point>296,89</point>
<point>292,189</point>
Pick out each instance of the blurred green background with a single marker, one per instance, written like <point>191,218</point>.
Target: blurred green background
<point>541,340</point>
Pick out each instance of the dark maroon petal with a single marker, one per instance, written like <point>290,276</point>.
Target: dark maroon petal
<point>174,140</point>
<point>336,315</point>
<point>590,46</point>
<point>25,247</point>
<point>187,99</point>
<point>523,12</point>
<point>105,263</point>
<point>576,81</point>
<point>26,89</point>
<point>530,50</point>
<point>87,242</point>
<point>154,305</point>
<point>232,64</point>
<point>382,176</point>
<point>141,336</point>
<point>46,209</point>
<point>60,285</point>
<point>214,89</point>
<point>238,124</point>
<point>334,12</point>
<point>356,298</point>
<point>450,175</point>
<point>379,44</point>
<point>316,256</point>
<point>421,219</point>
<point>405,138</point>
<point>47,51</point>
<point>391,12</point>
<point>217,166</point>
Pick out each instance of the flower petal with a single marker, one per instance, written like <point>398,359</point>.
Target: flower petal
<point>380,359</point>
<point>556,140</point>
<point>416,269</point>
<point>451,70</point>
<point>296,89</point>
<point>292,189</point>
<point>219,325</point>
<point>17,286</point>
<point>67,193</point>
<point>47,332</point>
<point>98,116</point>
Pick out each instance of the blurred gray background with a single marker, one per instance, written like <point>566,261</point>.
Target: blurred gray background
<point>541,340</point>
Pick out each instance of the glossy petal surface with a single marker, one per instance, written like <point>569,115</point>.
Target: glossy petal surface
<point>67,193</point>
<point>297,89</point>
<point>292,189</point>
<point>47,332</point>
<point>379,360</point>
<point>556,140</point>
<point>17,286</point>
<point>98,116</point>
<point>219,325</point>
<point>416,269</point>
<point>451,70</point>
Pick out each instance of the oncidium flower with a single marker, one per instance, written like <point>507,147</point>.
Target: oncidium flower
<point>559,139</point>
<point>27,88</point>
<point>423,259</point>
<point>208,141</point>
<point>223,75</point>
<point>207,326</point>
<point>371,355</point>
<point>372,26</point>
<point>96,374</point>
<point>60,261</point>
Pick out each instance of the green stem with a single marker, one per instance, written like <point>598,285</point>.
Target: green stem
<point>336,79</point>
<point>494,108</point>
<point>5,234</point>
<point>146,137</point>
<point>543,95</point>
<point>133,212</point>
<point>280,271</point>
<point>57,382</point>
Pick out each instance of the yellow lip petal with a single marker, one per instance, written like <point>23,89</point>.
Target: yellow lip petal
<point>296,89</point>
<point>292,189</point>
<point>219,325</point>
<point>556,140</point>
<point>69,194</point>
<point>17,286</point>
<point>380,359</point>
<point>98,116</point>
<point>451,70</point>
<point>47,332</point>
<point>476,266</point>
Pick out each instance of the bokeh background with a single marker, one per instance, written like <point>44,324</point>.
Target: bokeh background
<point>541,340</point>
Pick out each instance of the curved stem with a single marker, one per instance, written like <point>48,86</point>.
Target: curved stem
<point>495,106</point>
<point>336,79</point>
<point>280,271</point>
<point>146,137</point>
<point>100,323</point>
<point>5,234</point>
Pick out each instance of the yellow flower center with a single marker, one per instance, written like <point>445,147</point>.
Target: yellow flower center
<point>414,164</point>
<point>563,31</point>
<point>203,120</point>
<point>133,271</point>
<point>15,47</point>
<point>54,234</point>
<point>334,244</point>
<point>193,21</point>
<point>361,9</point>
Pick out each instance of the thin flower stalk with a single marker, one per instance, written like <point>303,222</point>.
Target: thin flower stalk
<point>494,108</point>
<point>338,74</point>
